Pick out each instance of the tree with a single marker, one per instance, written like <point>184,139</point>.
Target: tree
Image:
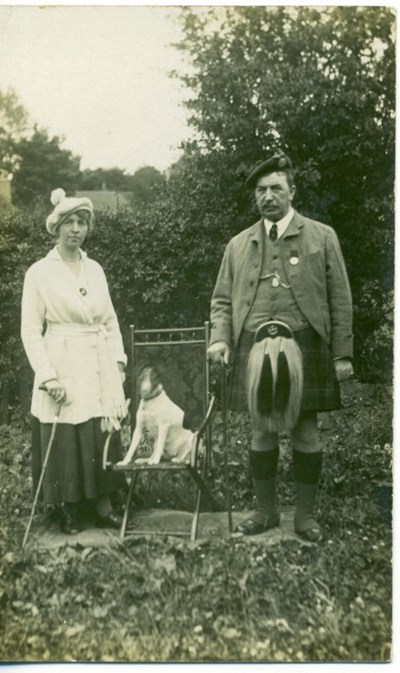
<point>320,84</point>
<point>144,181</point>
<point>114,179</point>
<point>13,125</point>
<point>43,165</point>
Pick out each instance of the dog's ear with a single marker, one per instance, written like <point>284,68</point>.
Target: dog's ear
<point>157,375</point>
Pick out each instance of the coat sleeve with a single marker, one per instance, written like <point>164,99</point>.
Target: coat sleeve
<point>221,301</point>
<point>33,312</point>
<point>113,330</point>
<point>339,299</point>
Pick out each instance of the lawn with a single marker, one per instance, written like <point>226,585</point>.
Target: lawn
<point>164,599</point>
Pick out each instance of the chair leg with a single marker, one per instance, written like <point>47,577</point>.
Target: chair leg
<point>127,506</point>
<point>201,484</point>
<point>196,514</point>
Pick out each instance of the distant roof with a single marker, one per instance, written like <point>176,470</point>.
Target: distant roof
<point>106,199</point>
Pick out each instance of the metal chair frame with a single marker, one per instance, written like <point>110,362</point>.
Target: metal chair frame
<point>198,464</point>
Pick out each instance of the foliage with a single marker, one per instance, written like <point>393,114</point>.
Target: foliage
<point>319,83</point>
<point>144,182</point>
<point>43,165</point>
<point>22,241</point>
<point>140,185</point>
<point>13,124</point>
<point>114,179</point>
<point>217,599</point>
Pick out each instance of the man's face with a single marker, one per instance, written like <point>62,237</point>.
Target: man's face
<point>274,196</point>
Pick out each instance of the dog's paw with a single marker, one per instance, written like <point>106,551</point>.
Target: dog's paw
<point>141,461</point>
<point>153,461</point>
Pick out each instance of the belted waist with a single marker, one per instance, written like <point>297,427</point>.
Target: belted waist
<point>251,333</point>
<point>77,329</point>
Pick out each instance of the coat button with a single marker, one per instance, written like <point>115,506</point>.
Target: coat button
<point>251,283</point>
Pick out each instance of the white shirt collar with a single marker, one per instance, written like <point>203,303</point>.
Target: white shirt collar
<point>282,224</point>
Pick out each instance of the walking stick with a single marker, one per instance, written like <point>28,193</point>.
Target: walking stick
<point>44,466</point>
<point>224,405</point>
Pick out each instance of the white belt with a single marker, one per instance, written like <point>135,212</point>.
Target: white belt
<point>77,329</point>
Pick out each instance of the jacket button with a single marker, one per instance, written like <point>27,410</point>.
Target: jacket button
<point>251,283</point>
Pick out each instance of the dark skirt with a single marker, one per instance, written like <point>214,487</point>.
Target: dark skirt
<point>321,391</point>
<point>74,469</point>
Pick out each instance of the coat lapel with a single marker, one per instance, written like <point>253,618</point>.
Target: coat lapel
<point>73,282</point>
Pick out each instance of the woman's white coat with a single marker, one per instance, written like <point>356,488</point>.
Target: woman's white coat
<point>70,332</point>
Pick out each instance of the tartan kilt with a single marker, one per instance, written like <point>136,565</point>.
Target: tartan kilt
<point>321,391</point>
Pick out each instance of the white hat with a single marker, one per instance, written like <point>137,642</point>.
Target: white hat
<point>65,205</point>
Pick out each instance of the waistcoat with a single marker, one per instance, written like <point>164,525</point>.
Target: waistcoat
<point>274,298</point>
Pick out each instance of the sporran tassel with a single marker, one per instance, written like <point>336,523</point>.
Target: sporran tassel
<point>275,381</point>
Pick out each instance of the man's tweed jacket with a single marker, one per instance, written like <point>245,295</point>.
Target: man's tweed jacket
<point>319,283</point>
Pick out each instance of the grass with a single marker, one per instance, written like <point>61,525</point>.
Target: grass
<point>220,600</point>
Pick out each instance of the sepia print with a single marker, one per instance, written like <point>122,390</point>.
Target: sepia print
<point>196,333</point>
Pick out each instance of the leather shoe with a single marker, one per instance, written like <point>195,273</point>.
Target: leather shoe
<point>111,520</point>
<point>70,520</point>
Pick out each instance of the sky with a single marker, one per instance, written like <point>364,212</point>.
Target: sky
<point>99,77</point>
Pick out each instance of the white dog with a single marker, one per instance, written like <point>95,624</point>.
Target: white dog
<point>162,419</point>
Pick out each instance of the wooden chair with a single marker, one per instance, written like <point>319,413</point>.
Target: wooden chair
<point>181,354</point>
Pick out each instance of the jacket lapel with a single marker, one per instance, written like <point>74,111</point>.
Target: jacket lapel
<point>72,282</point>
<point>295,226</point>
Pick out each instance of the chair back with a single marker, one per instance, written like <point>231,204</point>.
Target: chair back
<point>181,356</point>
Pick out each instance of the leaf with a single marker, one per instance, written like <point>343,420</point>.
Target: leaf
<point>231,633</point>
<point>73,630</point>
<point>86,552</point>
<point>167,563</point>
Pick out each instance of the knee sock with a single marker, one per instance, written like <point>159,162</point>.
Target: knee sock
<point>307,472</point>
<point>264,465</point>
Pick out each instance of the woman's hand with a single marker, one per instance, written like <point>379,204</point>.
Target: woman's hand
<point>121,368</point>
<point>56,390</point>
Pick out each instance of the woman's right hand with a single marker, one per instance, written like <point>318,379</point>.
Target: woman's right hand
<point>56,390</point>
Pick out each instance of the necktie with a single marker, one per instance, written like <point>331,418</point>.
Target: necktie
<point>273,232</point>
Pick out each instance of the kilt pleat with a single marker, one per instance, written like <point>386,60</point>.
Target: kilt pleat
<point>321,391</point>
<point>74,470</point>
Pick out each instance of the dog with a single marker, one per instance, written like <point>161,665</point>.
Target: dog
<point>163,421</point>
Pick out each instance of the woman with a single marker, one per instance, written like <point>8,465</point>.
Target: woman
<point>73,342</point>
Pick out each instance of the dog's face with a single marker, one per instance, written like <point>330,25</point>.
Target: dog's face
<point>149,381</point>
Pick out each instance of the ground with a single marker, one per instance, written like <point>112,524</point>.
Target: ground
<point>219,598</point>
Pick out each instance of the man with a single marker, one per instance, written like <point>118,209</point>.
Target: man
<point>289,268</point>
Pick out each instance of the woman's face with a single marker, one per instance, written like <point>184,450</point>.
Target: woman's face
<point>73,230</point>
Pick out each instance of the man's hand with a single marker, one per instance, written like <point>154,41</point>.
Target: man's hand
<point>343,369</point>
<point>219,352</point>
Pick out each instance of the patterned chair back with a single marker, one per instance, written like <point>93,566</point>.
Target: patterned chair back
<point>181,357</point>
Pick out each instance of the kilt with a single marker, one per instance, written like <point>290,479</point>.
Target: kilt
<point>321,391</point>
<point>74,470</point>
